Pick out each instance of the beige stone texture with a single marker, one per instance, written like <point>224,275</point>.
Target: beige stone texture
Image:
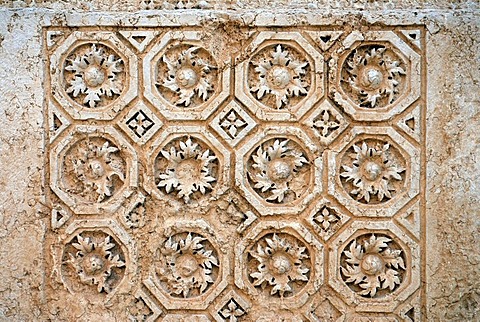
<point>240,161</point>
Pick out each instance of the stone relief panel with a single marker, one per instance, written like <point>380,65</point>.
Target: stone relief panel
<point>278,181</point>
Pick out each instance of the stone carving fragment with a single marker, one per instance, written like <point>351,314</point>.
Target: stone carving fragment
<point>94,169</point>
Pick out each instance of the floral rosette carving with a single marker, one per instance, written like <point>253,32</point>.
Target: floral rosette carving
<point>279,171</point>
<point>279,76</point>
<point>94,258</point>
<point>373,265</point>
<point>186,167</point>
<point>187,76</point>
<point>188,265</point>
<point>279,263</point>
<point>94,169</point>
<point>94,75</point>
<point>373,171</point>
<point>373,76</point>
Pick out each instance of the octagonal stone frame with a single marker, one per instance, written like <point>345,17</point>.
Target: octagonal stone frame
<point>241,181</point>
<point>296,230</point>
<point>412,275</point>
<point>77,134</point>
<point>200,302</point>
<point>412,92</point>
<point>297,41</point>
<point>198,132</point>
<point>111,228</point>
<point>390,207</point>
<point>167,109</point>
<point>57,63</point>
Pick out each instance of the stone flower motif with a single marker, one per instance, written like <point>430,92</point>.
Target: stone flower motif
<point>187,265</point>
<point>374,76</point>
<point>95,170</point>
<point>94,262</point>
<point>138,311</point>
<point>95,76</point>
<point>187,76</point>
<point>232,311</point>
<point>280,264</point>
<point>187,171</point>
<point>280,76</point>
<point>373,265</point>
<point>326,123</point>
<point>325,218</point>
<point>372,172</point>
<point>232,123</point>
<point>275,171</point>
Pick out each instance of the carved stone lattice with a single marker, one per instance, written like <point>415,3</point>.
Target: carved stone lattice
<point>267,175</point>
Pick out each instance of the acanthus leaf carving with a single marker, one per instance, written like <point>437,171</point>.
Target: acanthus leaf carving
<point>190,76</point>
<point>375,76</point>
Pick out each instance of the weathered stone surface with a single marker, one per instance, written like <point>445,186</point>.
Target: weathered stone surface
<point>217,161</point>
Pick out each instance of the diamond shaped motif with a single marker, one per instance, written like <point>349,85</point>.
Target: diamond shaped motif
<point>140,123</point>
<point>232,308</point>
<point>325,312</point>
<point>326,219</point>
<point>326,122</point>
<point>233,123</point>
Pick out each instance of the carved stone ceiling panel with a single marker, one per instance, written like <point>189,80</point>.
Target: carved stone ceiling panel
<point>273,176</point>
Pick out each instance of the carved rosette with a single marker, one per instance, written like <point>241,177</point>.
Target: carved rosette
<point>279,76</point>
<point>279,171</point>
<point>187,169</point>
<point>276,265</point>
<point>373,166</point>
<point>184,79</point>
<point>94,170</point>
<point>187,76</point>
<point>94,258</point>
<point>374,76</point>
<point>373,171</point>
<point>282,78</point>
<point>373,265</point>
<point>188,265</point>
<point>94,75</point>
<point>280,264</point>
